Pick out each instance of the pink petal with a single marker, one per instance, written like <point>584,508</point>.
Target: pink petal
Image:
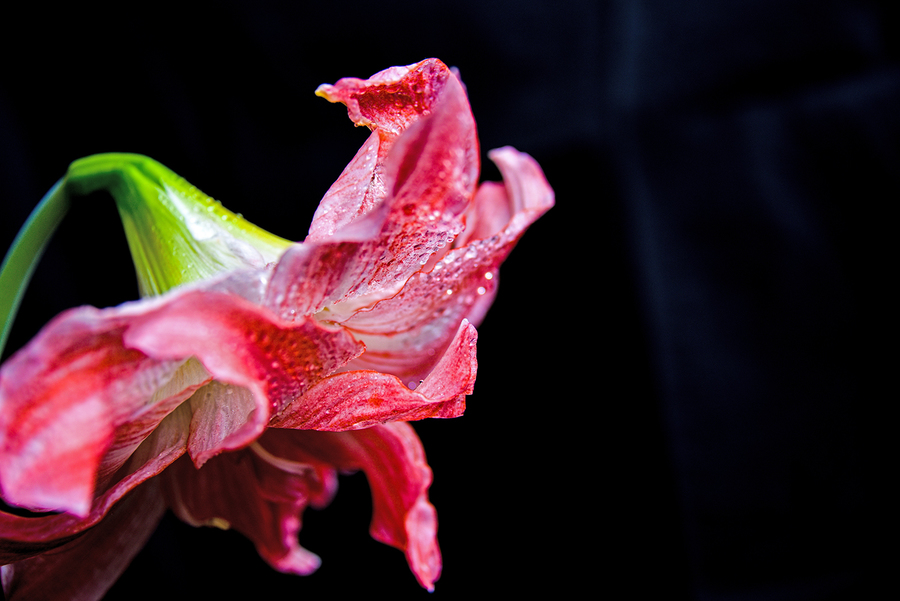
<point>75,395</point>
<point>23,537</point>
<point>387,103</point>
<point>392,457</point>
<point>87,566</point>
<point>256,493</point>
<point>421,181</point>
<point>358,399</point>
<point>405,334</point>
<point>83,393</point>
<point>244,345</point>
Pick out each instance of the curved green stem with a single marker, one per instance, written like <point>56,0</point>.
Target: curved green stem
<point>26,251</point>
<point>176,233</point>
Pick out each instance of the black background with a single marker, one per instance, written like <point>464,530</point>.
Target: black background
<point>677,384</point>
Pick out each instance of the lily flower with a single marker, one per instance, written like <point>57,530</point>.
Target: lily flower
<point>254,370</point>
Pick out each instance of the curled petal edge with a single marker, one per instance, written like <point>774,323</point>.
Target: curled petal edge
<point>359,399</point>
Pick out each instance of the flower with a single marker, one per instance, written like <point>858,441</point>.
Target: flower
<point>268,377</point>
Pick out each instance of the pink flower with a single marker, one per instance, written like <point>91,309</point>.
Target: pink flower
<point>235,400</point>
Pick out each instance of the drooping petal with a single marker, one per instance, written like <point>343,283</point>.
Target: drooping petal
<point>23,537</point>
<point>405,334</point>
<point>67,397</point>
<point>85,389</point>
<point>392,457</point>
<point>358,399</point>
<point>257,493</point>
<point>84,568</point>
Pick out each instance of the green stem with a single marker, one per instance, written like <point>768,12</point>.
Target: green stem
<point>26,251</point>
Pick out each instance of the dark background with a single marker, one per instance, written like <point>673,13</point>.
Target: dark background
<point>678,384</point>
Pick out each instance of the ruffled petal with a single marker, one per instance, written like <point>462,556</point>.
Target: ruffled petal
<point>405,334</point>
<point>392,457</point>
<point>393,460</point>
<point>258,493</point>
<point>358,399</point>
<point>84,568</point>
<point>387,103</point>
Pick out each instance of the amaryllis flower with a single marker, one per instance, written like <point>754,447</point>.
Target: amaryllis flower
<point>255,370</point>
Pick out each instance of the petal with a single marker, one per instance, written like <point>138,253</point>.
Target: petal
<point>405,334</point>
<point>391,100</point>
<point>84,568</point>
<point>417,188</point>
<point>258,494</point>
<point>387,103</point>
<point>392,457</point>
<point>358,399</point>
<point>244,345</point>
<point>84,391</point>
<point>75,394</point>
<point>23,537</point>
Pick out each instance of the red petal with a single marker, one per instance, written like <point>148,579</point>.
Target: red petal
<point>392,457</point>
<point>241,344</point>
<point>258,494</point>
<point>75,395</point>
<point>23,537</point>
<point>416,188</point>
<point>84,568</point>
<point>389,101</point>
<point>405,334</point>
<point>83,393</point>
<point>358,399</point>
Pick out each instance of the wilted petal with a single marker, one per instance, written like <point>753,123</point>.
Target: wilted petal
<point>358,399</point>
<point>84,568</point>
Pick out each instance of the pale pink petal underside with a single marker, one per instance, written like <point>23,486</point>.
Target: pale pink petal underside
<point>70,402</point>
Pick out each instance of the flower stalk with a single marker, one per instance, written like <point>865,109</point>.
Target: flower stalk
<point>176,234</point>
<point>25,253</point>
